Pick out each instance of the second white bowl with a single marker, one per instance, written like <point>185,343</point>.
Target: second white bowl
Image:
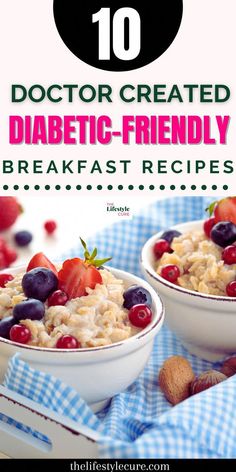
<point>206,324</point>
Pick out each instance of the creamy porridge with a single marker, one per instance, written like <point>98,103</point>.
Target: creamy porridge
<point>202,260</point>
<point>80,304</point>
<point>97,319</point>
<point>200,263</point>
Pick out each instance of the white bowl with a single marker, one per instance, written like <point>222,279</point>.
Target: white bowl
<point>206,324</point>
<point>96,373</point>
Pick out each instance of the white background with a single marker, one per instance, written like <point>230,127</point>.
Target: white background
<point>82,217</point>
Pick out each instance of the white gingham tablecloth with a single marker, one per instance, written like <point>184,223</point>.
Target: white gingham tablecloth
<point>140,423</point>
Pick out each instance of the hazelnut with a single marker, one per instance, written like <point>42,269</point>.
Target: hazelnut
<point>175,378</point>
<point>229,367</point>
<point>206,380</point>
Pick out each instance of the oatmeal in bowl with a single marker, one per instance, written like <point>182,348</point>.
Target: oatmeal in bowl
<point>91,326</point>
<point>200,264</point>
<point>92,320</point>
<point>193,267</point>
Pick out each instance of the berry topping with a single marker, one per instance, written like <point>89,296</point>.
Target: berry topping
<point>4,278</point>
<point>5,326</point>
<point>8,255</point>
<point>170,273</point>
<point>39,283</point>
<point>170,235</point>
<point>231,289</point>
<point>57,298</point>
<point>224,210</point>
<point>76,274</point>
<point>140,316</point>
<point>160,247</point>
<point>23,238</point>
<point>208,225</point>
<point>50,226</point>
<point>68,342</point>
<point>20,334</point>
<point>229,255</point>
<point>136,295</point>
<point>30,309</point>
<point>224,233</point>
<point>9,211</point>
<point>40,260</point>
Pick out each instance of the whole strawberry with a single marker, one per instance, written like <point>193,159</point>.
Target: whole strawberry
<point>10,209</point>
<point>76,274</point>
<point>224,210</point>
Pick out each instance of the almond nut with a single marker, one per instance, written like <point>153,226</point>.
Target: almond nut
<point>175,378</point>
<point>207,380</point>
<point>229,367</point>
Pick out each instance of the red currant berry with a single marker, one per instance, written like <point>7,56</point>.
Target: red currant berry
<point>231,289</point>
<point>50,226</point>
<point>57,298</point>
<point>170,273</point>
<point>160,247</point>
<point>208,225</point>
<point>229,255</point>
<point>10,254</point>
<point>20,334</point>
<point>140,316</point>
<point>68,342</point>
<point>4,278</point>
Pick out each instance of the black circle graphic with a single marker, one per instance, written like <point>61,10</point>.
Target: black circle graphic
<point>159,23</point>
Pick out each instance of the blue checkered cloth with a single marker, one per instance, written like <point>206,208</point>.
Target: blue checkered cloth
<point>140,423</point>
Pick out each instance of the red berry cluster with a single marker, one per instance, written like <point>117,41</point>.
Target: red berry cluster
<point>8,255</point>
<point>208,225</point>
<point>169,272</point>
<point>229,258</point>
<point>224,211</point>
<point>50,226</point>
<point>4,278</point>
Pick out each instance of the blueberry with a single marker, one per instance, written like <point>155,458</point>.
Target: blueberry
<point>30,309</point>
<point>5,326</point>
<point>224,233</point>
<point>136,295</point>
<point>23,238</point>
<point>39,283</point>
<point>170,235</point>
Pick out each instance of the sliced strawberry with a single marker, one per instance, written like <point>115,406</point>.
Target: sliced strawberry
<point>40,260</point>
<point>225,210</point>
<point>76,275</point>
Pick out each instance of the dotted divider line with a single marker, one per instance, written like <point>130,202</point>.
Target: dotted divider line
<point>115,187</point>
